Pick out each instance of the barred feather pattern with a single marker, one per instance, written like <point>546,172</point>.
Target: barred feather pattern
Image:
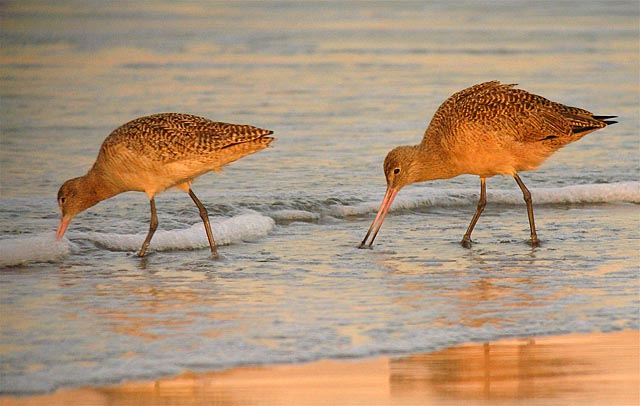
<point>153,153</point>
<point>496,109</point>
<point>169,137</point>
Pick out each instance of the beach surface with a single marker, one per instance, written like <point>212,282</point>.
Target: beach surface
<point>583,369</point>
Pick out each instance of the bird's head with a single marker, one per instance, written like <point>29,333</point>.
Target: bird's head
<point>400,167</point>
<point>73,198</point>
<point>400,170</point>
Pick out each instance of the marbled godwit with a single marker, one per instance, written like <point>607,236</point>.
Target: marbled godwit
<point>488,129</point>
<point>151,154</point>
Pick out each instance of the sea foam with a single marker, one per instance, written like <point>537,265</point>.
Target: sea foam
<point>35,248</point>
<point>413,198</point>
<point>244,227</point>
<point>46,248</point>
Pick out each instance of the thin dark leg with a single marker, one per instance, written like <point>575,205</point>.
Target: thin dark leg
<point>152,228</point>
<point>527,199</point>
<point>466,240</point>
<point>207,226</point>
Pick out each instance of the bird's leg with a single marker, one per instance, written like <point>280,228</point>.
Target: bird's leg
<point>152,228</point>
<point>207,226</point>
<point>466,240</point>
<point>527,199</point>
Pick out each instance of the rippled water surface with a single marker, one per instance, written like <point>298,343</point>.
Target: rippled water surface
<point>340,84</point>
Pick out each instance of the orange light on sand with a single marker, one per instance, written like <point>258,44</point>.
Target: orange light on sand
<point>585,369</point>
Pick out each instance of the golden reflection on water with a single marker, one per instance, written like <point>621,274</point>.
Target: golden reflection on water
<point>481,294</point>
<point>167,300</point>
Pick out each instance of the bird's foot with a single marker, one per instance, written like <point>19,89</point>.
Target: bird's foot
<point>365,246</point>
<point>535,243</point>
<point>466,242</point>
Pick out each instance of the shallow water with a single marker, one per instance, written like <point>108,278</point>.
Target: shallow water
<point>340,84</point>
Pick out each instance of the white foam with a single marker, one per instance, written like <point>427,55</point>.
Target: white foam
<point>597,193</point>
<point>295,215</point>
<point>35,248</point>
<point>412,198</point>
<point>244,227</point>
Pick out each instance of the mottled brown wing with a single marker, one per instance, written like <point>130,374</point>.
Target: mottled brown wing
<point>449,113</point>
<point>504,113</point>
<point>170,137</point>
<point>512,115</point>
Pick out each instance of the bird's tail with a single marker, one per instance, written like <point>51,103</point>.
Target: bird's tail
<point>606,119</point>
<point>585,124</point>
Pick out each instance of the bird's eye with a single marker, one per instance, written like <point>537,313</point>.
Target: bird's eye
<point>62,200</point>
<point>396,171</point>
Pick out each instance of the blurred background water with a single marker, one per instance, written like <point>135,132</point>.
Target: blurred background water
<point>340,83</point>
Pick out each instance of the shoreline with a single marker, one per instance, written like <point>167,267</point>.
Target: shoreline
<point>585,369</point>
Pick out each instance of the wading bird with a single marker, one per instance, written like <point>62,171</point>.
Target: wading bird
<point>153,153</point>
<point>486,130</point>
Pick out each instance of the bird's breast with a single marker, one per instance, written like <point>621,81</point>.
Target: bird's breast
<point>129,170</point>
<point>490,159</point>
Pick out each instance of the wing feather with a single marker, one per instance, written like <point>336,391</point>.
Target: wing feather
<point>170,137</point>
<point>505,114</point>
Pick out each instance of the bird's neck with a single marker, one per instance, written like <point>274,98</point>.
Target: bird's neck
<point>431,164</point>
<point>98,186</point>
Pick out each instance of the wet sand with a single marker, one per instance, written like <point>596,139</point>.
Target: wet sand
<point>581,369</point>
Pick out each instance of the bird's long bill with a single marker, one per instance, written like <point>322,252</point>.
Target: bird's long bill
<point>382,213</point>
<point>64,223</point>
